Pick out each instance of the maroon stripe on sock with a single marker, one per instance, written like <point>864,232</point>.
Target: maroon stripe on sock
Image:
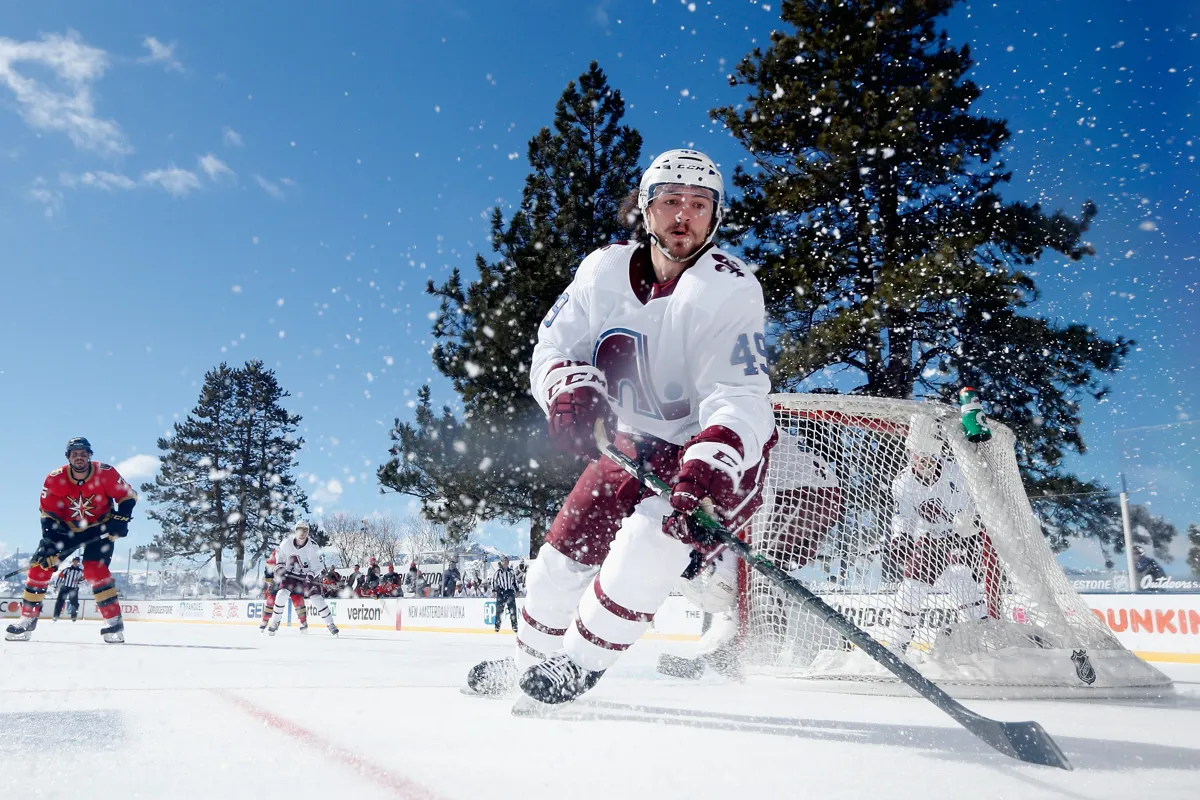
<point>616,609</point>
<point>596,640</point>
<point>537,626</point>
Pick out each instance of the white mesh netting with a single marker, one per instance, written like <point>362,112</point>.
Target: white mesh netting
<point>928,542</point>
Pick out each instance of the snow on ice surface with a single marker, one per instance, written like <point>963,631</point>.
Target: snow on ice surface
<point>199,711</point>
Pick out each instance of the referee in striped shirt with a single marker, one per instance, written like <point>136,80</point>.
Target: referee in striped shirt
<point>505,584</point>
<point>67,584</point>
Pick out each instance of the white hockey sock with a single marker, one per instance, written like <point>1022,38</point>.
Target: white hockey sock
<point>554,584</point>
<point>642,566</point>
<point>318,602</point>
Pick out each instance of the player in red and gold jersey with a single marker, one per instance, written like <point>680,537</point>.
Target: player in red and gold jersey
<point>84,504</point>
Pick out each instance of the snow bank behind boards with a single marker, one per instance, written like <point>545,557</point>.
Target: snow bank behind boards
<point>1158,627</point>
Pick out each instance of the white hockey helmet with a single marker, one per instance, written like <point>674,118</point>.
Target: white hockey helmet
<point>924,436</point>
<point>301,526</point>
<point>714,589</point>
<point>683,168</point>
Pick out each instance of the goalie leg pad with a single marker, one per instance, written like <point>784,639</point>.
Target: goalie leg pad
<point>555,583</point>
<point>636,578</point>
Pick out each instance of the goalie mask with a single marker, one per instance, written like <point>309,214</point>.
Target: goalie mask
<point>714,589</point>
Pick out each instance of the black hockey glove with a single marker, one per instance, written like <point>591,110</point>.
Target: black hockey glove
<point>47,555</point>
<point>115,527</point>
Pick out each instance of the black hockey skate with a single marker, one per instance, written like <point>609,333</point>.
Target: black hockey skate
<point>492,677</point>
<point>333,629</point>
<point>557,680</point>
<point>115,632</point>
<point>21,630</point>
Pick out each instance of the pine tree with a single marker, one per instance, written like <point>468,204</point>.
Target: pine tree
<point>225,478</point>
<point>886,249</point>
<point>189,497</point>
<point>495,462</point>
<point>265,450</point>
<point>1193,556</point>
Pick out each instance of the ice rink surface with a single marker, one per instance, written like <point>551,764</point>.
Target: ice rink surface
<point>213,711</point>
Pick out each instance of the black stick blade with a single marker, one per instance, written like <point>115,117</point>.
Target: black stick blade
<point>1024,741</point>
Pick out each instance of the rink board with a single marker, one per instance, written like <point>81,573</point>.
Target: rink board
<point>1158,627</point>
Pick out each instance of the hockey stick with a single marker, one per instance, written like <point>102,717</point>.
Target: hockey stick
<point>1024,741</point>
<point>15,572</point>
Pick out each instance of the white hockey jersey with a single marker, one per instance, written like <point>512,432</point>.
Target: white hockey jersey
<point>933,510</point>
<point>677,358</point>
<point>308,559</point>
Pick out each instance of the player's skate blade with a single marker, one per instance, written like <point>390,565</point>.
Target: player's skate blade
<point>115,632</point>
<point>676,667</point>
<point>21,631</point>
<point>492,678</point>
<point>558,679</point>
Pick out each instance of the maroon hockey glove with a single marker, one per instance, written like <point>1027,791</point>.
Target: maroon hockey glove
<point>573,413</point>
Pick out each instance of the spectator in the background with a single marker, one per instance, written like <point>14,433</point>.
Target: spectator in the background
<point>390,582</point>
<point>414,582</point>
<point>1146,567</point>
<point>450,580</point>
<point>331,583</point>
<point>354,579</point>
<point>370,584</point>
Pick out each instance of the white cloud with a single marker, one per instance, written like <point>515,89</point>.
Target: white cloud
<point>273,188</point>
<point>179,182</point>
<point>67,108</point>
<point>51,199</point>
<point>160,54</point>
<point>232,138</point>
<point>99,179</point>
<point>215,167</point>
<point>139,466</point>
<point>328,493</point>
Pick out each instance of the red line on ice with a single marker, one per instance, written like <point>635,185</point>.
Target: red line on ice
<point>401,787</point>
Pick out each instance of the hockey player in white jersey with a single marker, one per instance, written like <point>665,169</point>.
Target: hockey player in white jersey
<point>937,536</point>
<point>298,565</point>
<point>665,334</point>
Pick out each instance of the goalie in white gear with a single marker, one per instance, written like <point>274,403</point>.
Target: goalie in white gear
<point>298,565</point>
<point>665,334</point>
<point>937,536</point>
<point>802,503</point>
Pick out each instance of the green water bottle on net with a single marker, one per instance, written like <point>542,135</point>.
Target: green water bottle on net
<point>973,421</point>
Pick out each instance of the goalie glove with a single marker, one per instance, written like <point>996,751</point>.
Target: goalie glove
<point>576,398</point>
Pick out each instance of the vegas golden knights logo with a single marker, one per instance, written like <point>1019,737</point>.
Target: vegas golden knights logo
<point>1083,666</point>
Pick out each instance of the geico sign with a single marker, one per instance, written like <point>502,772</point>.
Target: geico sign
<point>360,614</point>
<point>1150,620</point>
<point>254,610</point>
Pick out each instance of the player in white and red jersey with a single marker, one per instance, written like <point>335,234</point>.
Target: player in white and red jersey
<point>298,571</point>
<point>666,335</point>
<point>937,536</point>
<point>269,589</point>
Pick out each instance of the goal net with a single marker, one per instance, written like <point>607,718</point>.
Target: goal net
<point>928,542</point>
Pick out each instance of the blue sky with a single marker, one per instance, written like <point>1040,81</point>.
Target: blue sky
<point>184,185</point>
